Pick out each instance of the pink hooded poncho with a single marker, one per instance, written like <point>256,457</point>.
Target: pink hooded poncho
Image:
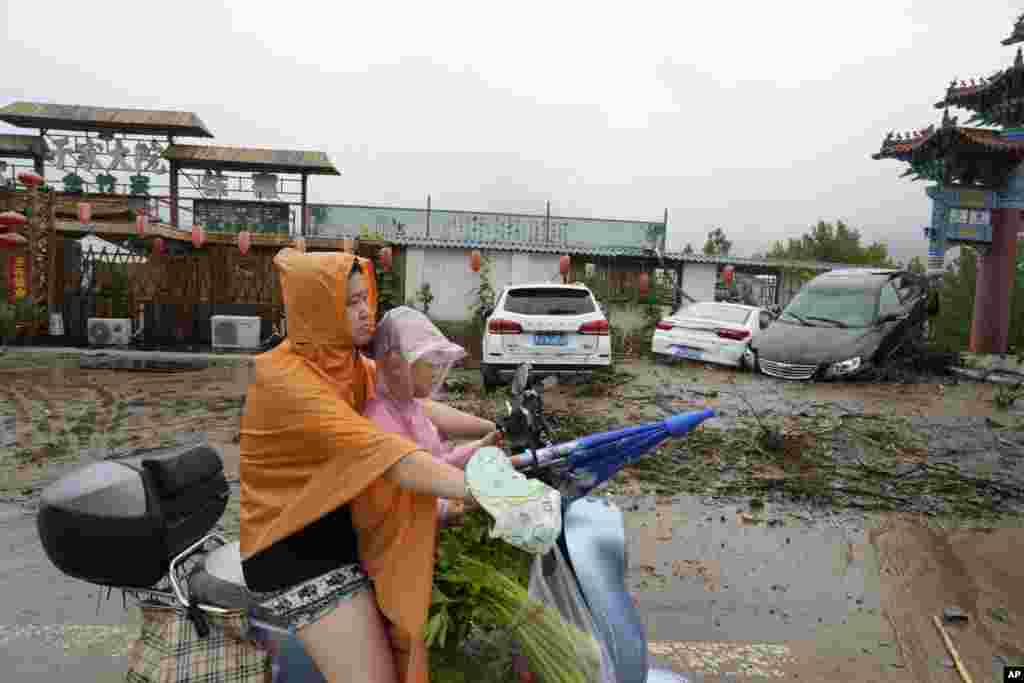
<point>403,336</point>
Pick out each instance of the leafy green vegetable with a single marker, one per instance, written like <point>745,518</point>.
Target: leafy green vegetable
<point>455,607</point>
<point>557,651</point>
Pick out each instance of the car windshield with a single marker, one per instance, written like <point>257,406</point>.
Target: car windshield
<point>844,304</point>
<point>549,301</point>
<point>725,314</point>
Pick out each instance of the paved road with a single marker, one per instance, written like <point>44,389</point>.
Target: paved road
<point>51,632</point>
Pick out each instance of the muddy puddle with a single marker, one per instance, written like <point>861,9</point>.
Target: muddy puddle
<point>782,591</point>
<point>724,588</point>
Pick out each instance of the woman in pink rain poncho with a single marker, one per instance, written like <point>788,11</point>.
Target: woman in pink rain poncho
<point>412,358</point>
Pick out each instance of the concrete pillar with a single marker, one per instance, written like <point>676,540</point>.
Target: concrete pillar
<point>174,170</point>
<point>990,325</point>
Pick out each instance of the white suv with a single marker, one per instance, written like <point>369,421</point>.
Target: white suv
<point>559,329</point>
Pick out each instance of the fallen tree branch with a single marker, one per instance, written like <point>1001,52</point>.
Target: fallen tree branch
<point>952,651</point>
<point>1017,495</point>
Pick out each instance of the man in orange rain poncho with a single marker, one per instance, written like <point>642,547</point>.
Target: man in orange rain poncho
<point>306,452</point>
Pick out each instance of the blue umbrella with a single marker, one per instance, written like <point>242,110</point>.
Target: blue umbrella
<point>589,461</point>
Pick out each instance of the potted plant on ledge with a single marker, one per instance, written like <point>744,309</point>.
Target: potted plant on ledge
<point>7,323</point>
<point>25,321</point>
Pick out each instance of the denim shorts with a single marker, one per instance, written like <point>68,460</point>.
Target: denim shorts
<point>308,602</point>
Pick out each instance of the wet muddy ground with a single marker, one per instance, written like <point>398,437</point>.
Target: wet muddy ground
<point>820,556</point>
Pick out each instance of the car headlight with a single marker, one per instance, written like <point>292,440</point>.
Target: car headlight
<point>845,367</point>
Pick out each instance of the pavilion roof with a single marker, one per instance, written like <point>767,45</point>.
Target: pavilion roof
<point>951,152</point>
<point>996,100</point>
<point>249,159</point>
<point>72,117</point>
<point>905,146</point>
<point>23,146</point>
<point>1017,35</point>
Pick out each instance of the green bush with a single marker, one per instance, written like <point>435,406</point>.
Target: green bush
<point>25,311</point>
<point>7,319</point>
<point>951,328</point>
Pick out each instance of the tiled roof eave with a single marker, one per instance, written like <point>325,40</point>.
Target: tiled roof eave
<point>634,252</point>
<point>960,96</point>
<point>905,150</point>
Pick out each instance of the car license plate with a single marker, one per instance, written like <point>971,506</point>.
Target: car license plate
<point>549,339</point>
<point>686,352</point>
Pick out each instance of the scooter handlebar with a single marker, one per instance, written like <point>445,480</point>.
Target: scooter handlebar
<point>675,426</point>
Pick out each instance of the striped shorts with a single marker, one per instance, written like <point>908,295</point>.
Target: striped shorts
<point>312,600</point>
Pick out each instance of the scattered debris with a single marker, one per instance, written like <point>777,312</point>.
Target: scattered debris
<point>1000,614</point>
<point>953,615</point>
<point>952,651</point>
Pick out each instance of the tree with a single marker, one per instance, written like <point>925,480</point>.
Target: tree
<point>688,249</point>
<point>951,329</point>
<point>916,265</point>
<point>717,244</point>
<point>833,244</point>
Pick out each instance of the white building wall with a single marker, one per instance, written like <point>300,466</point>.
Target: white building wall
<point>699,280</point>
<point>453,284</point>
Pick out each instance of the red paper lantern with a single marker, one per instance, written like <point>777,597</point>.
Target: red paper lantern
<point>11,219</point>
<point>727,274</point>
<point>244,242</point>
<point>198,236</point>
<point>84,212</point>
<point>13,238</point>
<point>30,179</point>
<point>475,258</point>
<point>386,258</point>
<point>563,265</point>
<point>140,223</point>
<point>159,247</point>
<point>645,284</point>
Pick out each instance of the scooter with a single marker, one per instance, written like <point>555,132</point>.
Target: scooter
<point>593,539</point>
<point>592,542</point>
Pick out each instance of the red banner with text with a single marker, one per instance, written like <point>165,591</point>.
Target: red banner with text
<point>17,276</point>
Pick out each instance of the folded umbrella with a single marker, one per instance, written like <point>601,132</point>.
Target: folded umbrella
<point>592,460</point>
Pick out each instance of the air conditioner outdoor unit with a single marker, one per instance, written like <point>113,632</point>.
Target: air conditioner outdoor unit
<point>109,331</point>
<point>235,331</point>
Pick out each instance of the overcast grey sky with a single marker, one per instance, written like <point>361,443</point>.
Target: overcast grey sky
<point>759,117</point>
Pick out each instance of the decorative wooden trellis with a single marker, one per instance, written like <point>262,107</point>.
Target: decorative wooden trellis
<point>213,275</point>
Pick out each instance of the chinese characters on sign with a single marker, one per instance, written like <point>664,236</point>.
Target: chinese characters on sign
<point>105,156</point>
<point>17,269</point>
<point>215,186</point>
<point>970,216</point>
<point>265,185</point>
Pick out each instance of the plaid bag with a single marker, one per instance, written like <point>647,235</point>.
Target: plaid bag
<point>169,650</point>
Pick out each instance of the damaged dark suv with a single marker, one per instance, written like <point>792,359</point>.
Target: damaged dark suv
<point>845,323</point>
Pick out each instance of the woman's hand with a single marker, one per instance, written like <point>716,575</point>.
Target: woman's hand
<point>492,439</point>
<point>457,511</point>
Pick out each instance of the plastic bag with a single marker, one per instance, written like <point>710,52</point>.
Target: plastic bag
<point>527,512</point>
<point>553,584</point>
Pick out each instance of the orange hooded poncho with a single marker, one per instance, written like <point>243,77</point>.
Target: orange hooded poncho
<point>306,450</point>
